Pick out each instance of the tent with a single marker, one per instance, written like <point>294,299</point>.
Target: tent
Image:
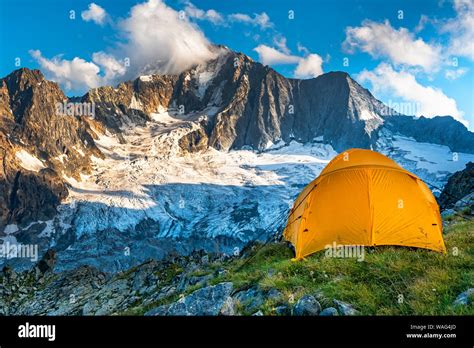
<point>364,198</point>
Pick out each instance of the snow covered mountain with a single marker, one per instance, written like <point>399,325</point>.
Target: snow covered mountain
<point>209,159</point>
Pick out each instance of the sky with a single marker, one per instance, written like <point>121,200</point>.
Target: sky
<point>414,55</point>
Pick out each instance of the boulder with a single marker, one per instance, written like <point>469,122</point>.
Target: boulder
<point>250,299</point>
<point>329,312</point>
<point>345,308</point>
<point>206,301</point>
<point>307,306</point>
<point>464,298</point>
<point>282,310</point>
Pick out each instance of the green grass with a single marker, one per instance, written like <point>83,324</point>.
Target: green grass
<point>427,282</point>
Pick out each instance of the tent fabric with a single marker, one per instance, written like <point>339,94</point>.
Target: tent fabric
<point>364,198</point>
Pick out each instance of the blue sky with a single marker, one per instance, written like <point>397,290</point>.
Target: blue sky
<point>420,59</point>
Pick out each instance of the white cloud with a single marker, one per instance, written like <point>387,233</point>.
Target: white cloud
<point>309,66</point>
<point>110,65</point>
<point>159,41</point>
<point>210,15</point>
<point>454,74</point>
<point>261,20</point>
<point>271,56</point>
<point>95,13</point>
<point>280,42</point>
<point>461,30</point>
<point>430,101</point>
<point>72,74</point>
<point>156,40</point>
<point>306,67</point>
<point>381,40</point>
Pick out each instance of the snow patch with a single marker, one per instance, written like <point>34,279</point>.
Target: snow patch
<point>29,162</point>
<point>145,78</point>
<point>9,229</point>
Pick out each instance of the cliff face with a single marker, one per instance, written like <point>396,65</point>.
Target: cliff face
<point>249,104</point>
<point>459,185</point>
<point>37,146</point>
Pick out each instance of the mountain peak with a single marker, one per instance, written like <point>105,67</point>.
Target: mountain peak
<point>26,74</point>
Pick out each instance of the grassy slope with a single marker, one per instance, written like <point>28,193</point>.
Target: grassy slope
<point>428,281</point>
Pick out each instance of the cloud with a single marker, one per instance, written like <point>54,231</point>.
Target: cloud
<point>280,42</point>
<point>381,40</point>
<point>210,15</point>
<point>454,74</point>
<point>429,101</point>
<point>110,65</point>
<point>461,30</point>
<point>75,73</point>
<point>155,40</point>
<point>95,13</point>
<point>271,56</point>
<point>308,66</point>
<point>261,20</point>
<point>158,40</point>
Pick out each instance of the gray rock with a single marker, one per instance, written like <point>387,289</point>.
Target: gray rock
<point>206,302</point>
<point>463,298</point>
<point>205,259</point>
<point>250,299</point>
<point>47,263</point>
<point>466,201</point>
<point>447,213</point>
<point>228,308</point>
<point>258,314</point>
<point>307,305</point>
<point>329,312</point>
<point>274,294</point>
<point>345,308</point>
<point>283,310</point>
<point>158,311</point>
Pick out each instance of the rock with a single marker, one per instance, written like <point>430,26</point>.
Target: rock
<point>9,273</point>
<point>46,264</point>
<point>306,306</point>
<point>90,307</point>
<point>464,298</point>
<point>228,308</point>
<point>283,310</point>
<point>205,301</point>
<point>466,201</point>
<point>200,280</point>
<point>258,314</point>
<point>205,259</point>
<point>329,312</point>
<point>459,185</point>
<point>158,311</point>
<point>345,308</point>
<point>250,299</point>
<point>274,294</point>
<point>220,272</point>
<point>447,213</point>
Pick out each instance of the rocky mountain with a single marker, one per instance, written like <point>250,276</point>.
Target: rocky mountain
<point>459,186</point>
<point>249,104</point>
<point>37,146</point>
<point>208,159</point>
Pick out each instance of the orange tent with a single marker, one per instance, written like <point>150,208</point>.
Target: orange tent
<point>364,198</point>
